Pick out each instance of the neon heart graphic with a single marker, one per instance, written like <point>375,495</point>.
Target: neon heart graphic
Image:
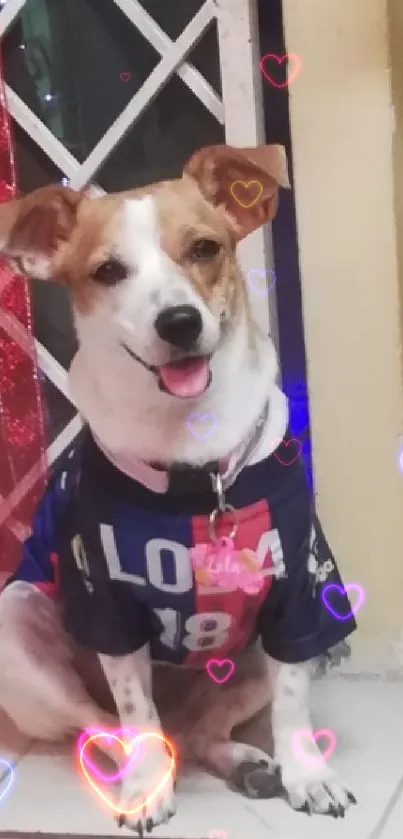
<point>125,77</point>
<point>286,443</point>
<point>107,779</point>
<point>127,749</point>
<point>342,591</point>
<point>246,185</point>
<point>263,288</point>
<point>219,663</point>
<point>8,778</point>
<point>200,418</point>
<point>280,59</point>
<point>307,734</point>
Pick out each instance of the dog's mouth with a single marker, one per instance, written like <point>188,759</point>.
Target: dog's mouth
<point>187,378</point>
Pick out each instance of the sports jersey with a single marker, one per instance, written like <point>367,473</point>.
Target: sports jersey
<point>116,555</point>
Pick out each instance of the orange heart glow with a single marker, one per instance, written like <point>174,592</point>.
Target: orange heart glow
<point>128,748</point>
<point>246,185</point>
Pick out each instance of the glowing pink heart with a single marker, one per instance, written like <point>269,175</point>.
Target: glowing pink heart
<point>130,733</point>
<point>127,749</point>
<point>218,664</point>
<point>307,734</point>
<point>279,59</point>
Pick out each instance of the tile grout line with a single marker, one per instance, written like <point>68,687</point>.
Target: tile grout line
<point>376,833</point>
<point>257,817</point>
<point>24,835</point>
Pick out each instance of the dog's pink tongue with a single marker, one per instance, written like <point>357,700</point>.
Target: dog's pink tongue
<point>187,378</point>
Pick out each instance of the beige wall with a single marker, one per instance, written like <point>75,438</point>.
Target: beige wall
<point>395,9</point>
<point>342,127</point>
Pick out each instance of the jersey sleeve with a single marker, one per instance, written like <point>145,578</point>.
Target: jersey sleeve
<point>307,610</point>
<point>39,560</point>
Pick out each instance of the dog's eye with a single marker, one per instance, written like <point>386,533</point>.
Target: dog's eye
<point>204,249</point>
<point>110,272</point>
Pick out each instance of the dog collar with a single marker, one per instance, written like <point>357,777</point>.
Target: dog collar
<point>183,478</point>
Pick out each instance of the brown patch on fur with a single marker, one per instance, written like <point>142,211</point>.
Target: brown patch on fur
<point>33,228</point>
<point>91,243</point>
<point>185,216</point>
<point>65,235</point>
<point>69,231</point>
<point>44,220</point>
<point>217,168</point>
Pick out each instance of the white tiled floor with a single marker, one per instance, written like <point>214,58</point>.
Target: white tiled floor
<point>367,716</point>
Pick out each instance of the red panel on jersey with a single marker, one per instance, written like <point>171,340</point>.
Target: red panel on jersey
<point>239,608</point>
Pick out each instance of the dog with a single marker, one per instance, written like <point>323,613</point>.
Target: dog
<point>167,343</point>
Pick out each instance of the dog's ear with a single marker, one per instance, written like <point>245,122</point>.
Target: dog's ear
<point>245,181</point>
<point>33,228</point>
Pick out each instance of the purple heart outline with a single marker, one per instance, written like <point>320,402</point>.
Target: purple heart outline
<point>261,273</point>
<point>9,778</point>
<point>342,590</point>
<point>200,417</point>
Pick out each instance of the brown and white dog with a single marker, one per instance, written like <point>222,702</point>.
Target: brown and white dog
<point>143,267</point>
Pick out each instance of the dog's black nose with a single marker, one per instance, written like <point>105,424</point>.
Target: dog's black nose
<point>179,325</point>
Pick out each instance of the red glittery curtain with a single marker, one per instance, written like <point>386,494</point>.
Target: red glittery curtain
<point>22,437</point>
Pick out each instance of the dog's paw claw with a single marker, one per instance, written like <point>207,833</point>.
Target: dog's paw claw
<point>154,809</point>
<point>304,809</point>
<point>326,798</point>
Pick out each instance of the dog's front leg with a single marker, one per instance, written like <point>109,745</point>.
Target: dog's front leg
<point>129,679</point>
<point>311,784</point>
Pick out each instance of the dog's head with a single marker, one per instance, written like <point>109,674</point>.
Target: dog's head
<point>152,272</point>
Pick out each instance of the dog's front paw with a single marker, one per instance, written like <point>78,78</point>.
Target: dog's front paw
<point>315,791</point>
<point>152,805</point>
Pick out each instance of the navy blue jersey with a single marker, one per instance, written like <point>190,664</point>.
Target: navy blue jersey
<point>117,557</point>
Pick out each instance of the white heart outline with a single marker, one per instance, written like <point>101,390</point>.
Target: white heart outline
<point>200,417</point>
<point>260,272</point>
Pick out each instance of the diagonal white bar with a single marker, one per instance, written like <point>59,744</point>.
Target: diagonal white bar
<point>64,438</point>
<point>40,468</point>
<point>52,369</point>
<point>143,98</point>
<point>41,135</point>
<point>50,366</point>
<point>44,138</point>
<point>8,14</point>
<point>19,530</point>
<point>156,36</point>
